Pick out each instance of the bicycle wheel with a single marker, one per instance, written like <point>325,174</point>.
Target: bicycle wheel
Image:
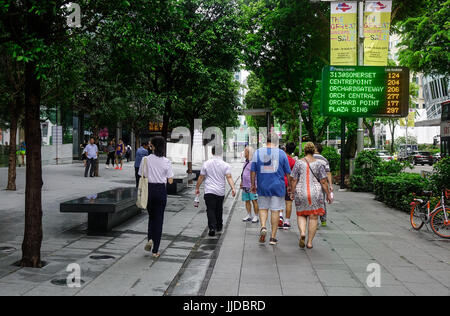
<point>438,223</point>
<point>416,217</point>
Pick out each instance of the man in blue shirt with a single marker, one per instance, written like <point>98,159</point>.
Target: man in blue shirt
<point>270,165</point>
<point>91,151</point>
<point>140,154</point>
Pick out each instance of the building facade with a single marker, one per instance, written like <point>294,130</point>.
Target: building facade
<point>435,94</point>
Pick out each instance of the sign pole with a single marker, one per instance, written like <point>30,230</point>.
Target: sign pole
<point>360,132</point>
<point>342,153</point>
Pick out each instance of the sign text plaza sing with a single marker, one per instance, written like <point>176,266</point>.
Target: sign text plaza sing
<point>365,91</point>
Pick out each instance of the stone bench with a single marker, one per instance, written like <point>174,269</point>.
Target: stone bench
<point>180,182</point>
<point>105,210</point>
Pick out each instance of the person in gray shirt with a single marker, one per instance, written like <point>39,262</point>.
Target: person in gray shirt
<point>110,150</point>
<point>318,156</point>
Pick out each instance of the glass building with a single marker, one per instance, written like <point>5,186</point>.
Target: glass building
<point>435,90</point>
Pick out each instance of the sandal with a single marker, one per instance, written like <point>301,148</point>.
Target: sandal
<point>302,243</point>
<point>308,247</point>
<point>156,255</point>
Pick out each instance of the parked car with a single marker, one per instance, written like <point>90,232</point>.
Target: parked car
<point>436,157</point>
<point>384,155</point>
<point>422,158</point>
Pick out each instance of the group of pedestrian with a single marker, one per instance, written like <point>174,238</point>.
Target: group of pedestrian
<point>272,180</point>
<point>115,155</point>
<point>278,180</point>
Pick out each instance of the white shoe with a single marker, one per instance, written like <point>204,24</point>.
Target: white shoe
<point>107,167</point>
<point>255,219</point>
<point>149,246</point>
<point>248,218</point>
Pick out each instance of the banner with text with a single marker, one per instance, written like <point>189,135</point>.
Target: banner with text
<point>377,24</point>
<point>344,33</point>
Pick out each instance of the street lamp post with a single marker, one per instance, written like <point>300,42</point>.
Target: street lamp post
<point>360,132</point>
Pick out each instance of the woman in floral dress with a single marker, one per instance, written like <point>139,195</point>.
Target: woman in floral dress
<point>308,180</point>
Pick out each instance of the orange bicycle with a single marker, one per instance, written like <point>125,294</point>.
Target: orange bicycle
<point>439,218</point>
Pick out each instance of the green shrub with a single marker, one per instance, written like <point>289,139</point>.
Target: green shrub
<point>397,190</point>
<point>333,157</point>
<point>441,177</point>
<point>367,166</point>
<point>393,167</point>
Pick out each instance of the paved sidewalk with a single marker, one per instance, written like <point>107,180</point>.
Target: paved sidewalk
<point>360,231</point>
<point>114,264</point>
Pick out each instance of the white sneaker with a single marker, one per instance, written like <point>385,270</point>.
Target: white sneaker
<point>149,246</point>
<point>107,167</point>
<point>255,219</point>
<point>247,218</point>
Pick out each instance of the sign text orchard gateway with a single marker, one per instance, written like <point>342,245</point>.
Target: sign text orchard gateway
<point>365,91</point>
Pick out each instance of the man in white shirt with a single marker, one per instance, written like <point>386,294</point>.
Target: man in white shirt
<point>91,151</point>
<point>215,172</point>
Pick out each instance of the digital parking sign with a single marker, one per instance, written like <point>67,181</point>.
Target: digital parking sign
<point>365,91</point>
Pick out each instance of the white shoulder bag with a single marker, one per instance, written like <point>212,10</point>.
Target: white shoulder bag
<point>142,196</point>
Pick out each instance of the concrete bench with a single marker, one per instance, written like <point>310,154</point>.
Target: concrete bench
<point>180,182</point>
<point>105,210</point>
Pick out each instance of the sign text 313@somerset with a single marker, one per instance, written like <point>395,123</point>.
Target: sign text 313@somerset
<point>365,91</point>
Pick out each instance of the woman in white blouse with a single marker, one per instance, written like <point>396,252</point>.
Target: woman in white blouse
<point>159,172</point>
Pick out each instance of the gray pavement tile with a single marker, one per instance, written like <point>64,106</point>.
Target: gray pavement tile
<point>387,279</point>
<point>259,290</point>
<point>442,276</point>
<point>83,244</point>
<point>52,290</point>
<point>303,289</point>
<point>15,289</point>
<point>352,253</point>
<point>336,278</point>
<point>390,290</point>
<point>218,286</point>
<point>109,285</point>
<point>190,281</point>
<point>298,278</point>
<point>338,266</point>
<point>346,291</point>
<point>230,276</point>
<point>413,275</point>
<point>421,289</point>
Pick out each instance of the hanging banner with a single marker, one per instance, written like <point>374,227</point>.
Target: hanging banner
<point>377,24</point>
<point>344,33</point>
<point>411,118</point>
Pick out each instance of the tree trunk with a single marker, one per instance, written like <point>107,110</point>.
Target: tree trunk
<point>12,151</point>
<point>370,128</point>
<point>97,141</point>
<point>190,149</point>
<point>137,139</point>
<point>372,138</point>
<point>166,118</point>
<point>31,246</point>
<point>350,146</point>
<point>392,129</point>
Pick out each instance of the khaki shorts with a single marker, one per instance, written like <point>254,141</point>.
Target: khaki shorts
<point>272,203</point>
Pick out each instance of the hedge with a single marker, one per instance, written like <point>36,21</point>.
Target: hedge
<point>397,191</point>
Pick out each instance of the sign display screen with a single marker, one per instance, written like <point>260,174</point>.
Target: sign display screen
<point>365,91</point>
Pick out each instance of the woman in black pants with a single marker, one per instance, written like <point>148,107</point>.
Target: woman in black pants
<point>110,150</point>
<point>159,171</point>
